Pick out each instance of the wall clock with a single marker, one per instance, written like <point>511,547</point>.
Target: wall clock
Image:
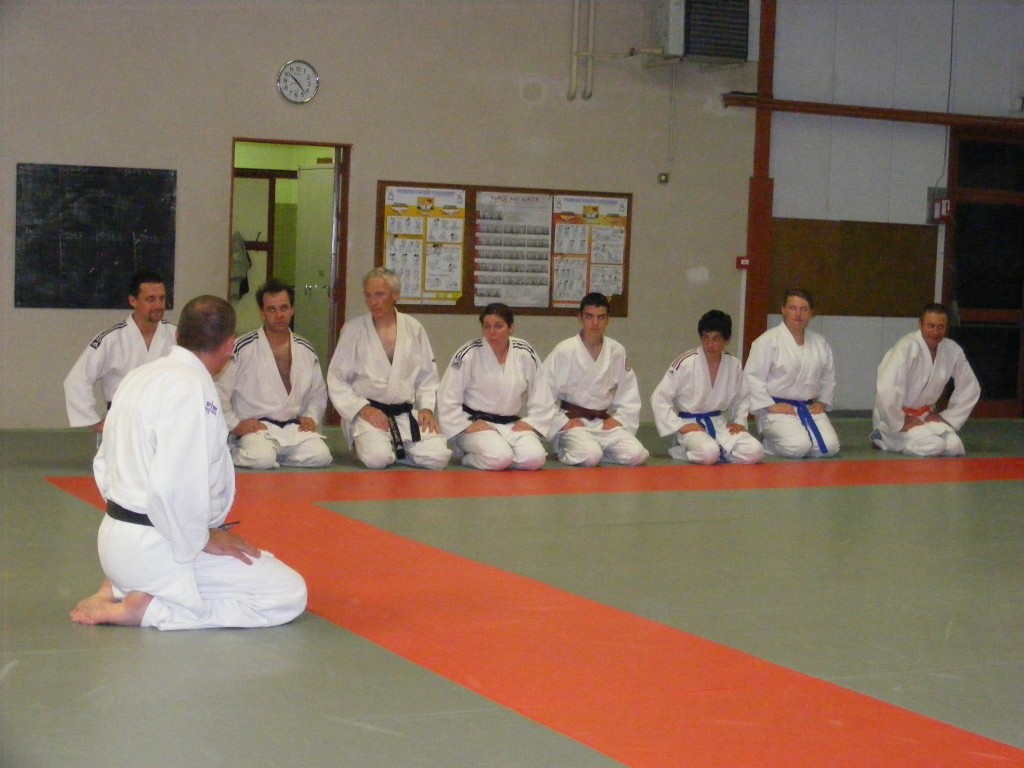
<point>298,81</point>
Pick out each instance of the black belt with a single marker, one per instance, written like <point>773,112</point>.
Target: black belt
<point>391,410</point>
<point>574,411</point>
<point>475,415</point>
<point>276,423</point>
<point>118,512</point>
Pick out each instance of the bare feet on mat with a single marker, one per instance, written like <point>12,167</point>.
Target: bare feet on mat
<point>104,608</point>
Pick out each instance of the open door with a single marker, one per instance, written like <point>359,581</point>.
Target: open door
<point>289,215</point>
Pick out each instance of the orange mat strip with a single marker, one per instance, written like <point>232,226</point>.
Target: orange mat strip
<point>642,693</point>
<point>418,484</point>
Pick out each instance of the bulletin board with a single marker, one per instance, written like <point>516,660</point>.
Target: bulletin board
<point>81,232</point>
<point>459,247</point>
<point>855,268</point>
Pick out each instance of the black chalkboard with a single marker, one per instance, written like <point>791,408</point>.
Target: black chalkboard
<point>83,231</point>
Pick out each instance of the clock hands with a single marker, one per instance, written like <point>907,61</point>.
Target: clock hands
<point>293,77</point>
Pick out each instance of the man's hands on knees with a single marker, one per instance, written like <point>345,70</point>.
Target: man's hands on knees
<point>375,417</point>
<point>230,544</point>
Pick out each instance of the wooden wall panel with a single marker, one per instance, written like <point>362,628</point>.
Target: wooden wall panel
<point>856,268</point>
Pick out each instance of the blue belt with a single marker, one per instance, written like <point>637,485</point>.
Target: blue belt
<point>704,419</point>
<point>807,420</point>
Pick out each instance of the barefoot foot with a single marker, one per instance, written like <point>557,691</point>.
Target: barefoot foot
<point>104,608</point>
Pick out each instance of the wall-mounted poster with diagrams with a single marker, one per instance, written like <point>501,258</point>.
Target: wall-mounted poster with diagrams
<point>589,252</point>
<point>512,251</point>
<point>424,238</point>
<point>461,247</point>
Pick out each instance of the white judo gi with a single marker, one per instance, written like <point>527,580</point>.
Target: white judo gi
<point>686,388</point>
<point>164,454</point>
<point>360,371</point>
<point>778,367</point>
<point>108,359</point>
<point>250,387</point>
<point>476,379</point>
<point>909,383</point>
<point>607,384</point>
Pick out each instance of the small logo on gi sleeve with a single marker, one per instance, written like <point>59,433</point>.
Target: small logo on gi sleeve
<point>211,408</point>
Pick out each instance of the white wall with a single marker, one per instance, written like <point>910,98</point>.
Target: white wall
<point>905,54</point>
<point>469,91</point>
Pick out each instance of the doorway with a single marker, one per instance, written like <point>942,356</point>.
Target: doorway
<point>289,215</point>
<point>984,280</point>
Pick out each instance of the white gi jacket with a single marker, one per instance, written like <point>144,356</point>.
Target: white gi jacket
<point>907,378</point>
<point>779,367</point>
<point>606,384</point>
<point>360,370</point>
<point>475,377</point>
<point>165,452</point>
<point>108,359</point>
<point>250,386</point>
<point>686,386</point>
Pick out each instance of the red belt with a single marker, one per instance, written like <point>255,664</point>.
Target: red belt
<point>918,413</point>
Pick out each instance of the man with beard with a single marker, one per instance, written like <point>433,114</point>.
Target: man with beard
<point>145,336</point>
<point>273,391</point>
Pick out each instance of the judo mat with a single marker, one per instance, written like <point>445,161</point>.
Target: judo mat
<point>643,693</point>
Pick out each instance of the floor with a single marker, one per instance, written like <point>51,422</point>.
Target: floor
<point>867,610</point>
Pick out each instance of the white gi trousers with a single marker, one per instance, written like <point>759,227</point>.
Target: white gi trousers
<point>932,438</point>
<point>212,591</point>
<point>373,447</point>
<point>698,447</point>
<point>501,447</point>
<point>280,446</point>
<point>784,435</point>
<point>589,445</point>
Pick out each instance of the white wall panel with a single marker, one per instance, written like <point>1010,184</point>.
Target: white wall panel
<point>986,57</point>
<point>923,55</point>
<point>865,53</point>
<point>861,157</point>
<point>804,49</point>
<point>919,161</point>
<point>800,165</point>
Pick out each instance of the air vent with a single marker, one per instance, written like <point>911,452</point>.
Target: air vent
<point>714,30</point>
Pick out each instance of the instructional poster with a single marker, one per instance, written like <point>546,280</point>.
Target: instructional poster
<point>589,251</point>
<point>459,247</point>
<point>424,235</point>
<point>512,250</point>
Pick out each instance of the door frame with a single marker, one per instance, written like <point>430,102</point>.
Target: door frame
<point>1002,408</point>
<point>339,248</point>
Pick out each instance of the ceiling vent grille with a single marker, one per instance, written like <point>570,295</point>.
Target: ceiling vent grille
<point>714,30</point>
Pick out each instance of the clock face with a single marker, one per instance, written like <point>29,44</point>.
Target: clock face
<point>298,81</point>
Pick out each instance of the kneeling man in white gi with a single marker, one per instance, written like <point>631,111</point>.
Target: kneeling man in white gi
<point>911,378</point>
<point>597,394</point>
<point>166,474</point>
<point>383,381</point>
<point>695,394</point>
<point>273,391</point>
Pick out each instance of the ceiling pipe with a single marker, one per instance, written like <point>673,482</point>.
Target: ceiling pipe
<point>590,54</point>
<point>588,89</point>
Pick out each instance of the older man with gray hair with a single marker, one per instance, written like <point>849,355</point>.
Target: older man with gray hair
<point>383,381</point>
